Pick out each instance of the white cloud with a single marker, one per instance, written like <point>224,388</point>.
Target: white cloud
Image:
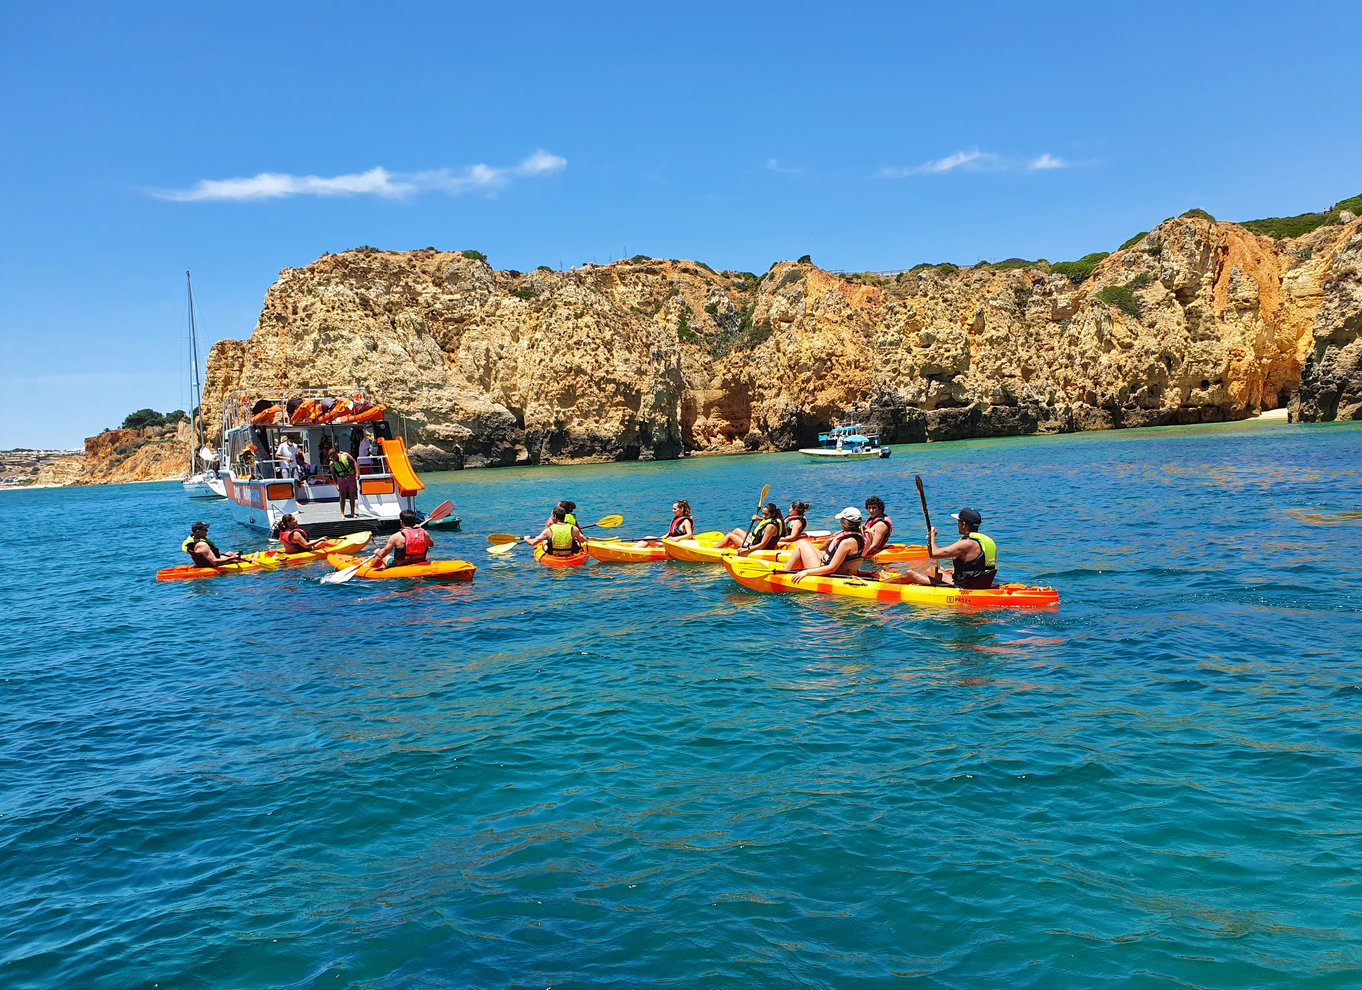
<point>973,160</point>
<point>376,181</point>
<point>774,165</point>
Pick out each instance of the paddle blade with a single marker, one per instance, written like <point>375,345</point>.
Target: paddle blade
<point>268,563</point>
<point>503,548</point>
<point>439,512</point>
<point>502,538</point>
<point>608,522</point>
<point>766,490</point>
<point>340,577</point>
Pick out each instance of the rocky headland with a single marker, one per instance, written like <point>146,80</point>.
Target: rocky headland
<point>1194,321</point>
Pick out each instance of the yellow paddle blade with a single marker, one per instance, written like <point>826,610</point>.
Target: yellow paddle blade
<point>608,522</point>
<point>502,538</point>
<point>503,548</point>
<point>766,490</point>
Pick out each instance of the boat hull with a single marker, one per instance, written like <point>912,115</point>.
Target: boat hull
<point>614,551</point>
<point>204,485</point>
<point>819,454</point>
<point>432,570</point>
<point>550,560</point>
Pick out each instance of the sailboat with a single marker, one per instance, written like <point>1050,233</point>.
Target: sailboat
<point>204,482</point>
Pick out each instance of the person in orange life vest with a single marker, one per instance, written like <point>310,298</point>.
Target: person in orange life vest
<point>975,557</point>
<point>562,539</point>
<point>843,552</point>
<point>409,545</point>
<point>293,538</point>
<point>766,534</point>
<point>796,524</point>
<point>203,551</point>
<point>682,525</point>
<point>346,472</point>
<point>878,527</point>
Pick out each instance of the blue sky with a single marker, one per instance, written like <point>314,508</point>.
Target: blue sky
<point>142,140</point>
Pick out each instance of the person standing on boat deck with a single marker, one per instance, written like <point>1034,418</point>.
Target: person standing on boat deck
<point>796,524</point>
<point>878,527</point>
<point>975,557</point>
<point>409,545</point>
<point>364,449</point>
<point>203,551</point>
<point>843,552</point>
<point>346,472</point>
<point>287,456</point>
<point>770,527</point>
<point>562,538</point>
<point>293,538</point>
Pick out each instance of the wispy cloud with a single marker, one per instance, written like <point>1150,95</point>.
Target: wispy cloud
<point>1048,160</point>
<point>377,181</point>
<point>972,160</point>
<point>775,165</point>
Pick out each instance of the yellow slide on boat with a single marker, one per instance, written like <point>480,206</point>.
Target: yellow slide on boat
<point>399,465</point>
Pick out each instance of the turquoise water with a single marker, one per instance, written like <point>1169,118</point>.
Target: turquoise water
<point>646,775</point>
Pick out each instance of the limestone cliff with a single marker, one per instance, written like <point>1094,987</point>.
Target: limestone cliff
<point>1197,321</point>
<point>155,453</point>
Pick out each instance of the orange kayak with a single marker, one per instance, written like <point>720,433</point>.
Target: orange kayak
<point>551,560</point>
<point>761,575</point>
<point>438,570</point>
<point>267,559</point>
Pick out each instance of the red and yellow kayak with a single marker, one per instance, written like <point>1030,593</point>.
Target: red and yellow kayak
<point>762,575</point>
<point>619,552</point>
<point>268,559</point>
<point>703,549</point>
<point>437,570</point>
<point>552,560</point>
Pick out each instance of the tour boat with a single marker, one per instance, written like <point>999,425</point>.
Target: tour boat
<point>850,442</point>
<point>203,482</point>
<point>261,488</point>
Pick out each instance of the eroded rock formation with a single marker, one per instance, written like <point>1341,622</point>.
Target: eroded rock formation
<point>1198,321</point>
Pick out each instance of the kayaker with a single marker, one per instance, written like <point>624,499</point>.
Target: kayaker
<point>765,535</point>
<point>560,537</point>
<point>975,557</point>
<point>409,545</point>
<point>842,554</point>
<point>569,512</point>
<point>203,551</point>
<point>682,525</point>
<point>345,470</point>
<point>878,527</point>
<point>293,538</point>
<point>796,524</point>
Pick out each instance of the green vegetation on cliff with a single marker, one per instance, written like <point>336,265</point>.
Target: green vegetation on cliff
<point>1303,223</point>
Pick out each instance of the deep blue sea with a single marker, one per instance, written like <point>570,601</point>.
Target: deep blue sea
<point>646,775</point>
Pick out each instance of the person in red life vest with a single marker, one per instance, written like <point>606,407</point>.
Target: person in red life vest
<point>682,525</point>
<point>293,538</point>
<point>345,470</point>
<point>843,552</point>
<point>877,528</point>
<point>765,535</point>
<point>974,556</point>
<point>796,524</point>
<point>203,551</point>
<point>409,545</point>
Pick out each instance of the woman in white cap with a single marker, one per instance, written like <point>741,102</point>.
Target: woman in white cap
<point>841,555</point>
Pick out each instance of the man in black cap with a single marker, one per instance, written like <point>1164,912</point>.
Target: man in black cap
<point>205,552</point>
<point>975,557</point>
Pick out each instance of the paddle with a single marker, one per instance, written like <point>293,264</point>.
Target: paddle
<point>506,542</point>
<point>341,577</point>
<point>925,516</point>
<point>761,500</point>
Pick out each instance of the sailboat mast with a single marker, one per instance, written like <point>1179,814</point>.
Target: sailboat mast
<point>195,384</point>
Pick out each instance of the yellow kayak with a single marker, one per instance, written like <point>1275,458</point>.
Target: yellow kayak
<point>762,575</point>
<point>268,559</point>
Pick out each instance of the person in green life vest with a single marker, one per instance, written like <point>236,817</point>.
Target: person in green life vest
<point>203,551</point>
<point>569,514</point>
<point>766,533</point>
<point>974,556</point>
<point>560,537</point>
<point>346,472</point>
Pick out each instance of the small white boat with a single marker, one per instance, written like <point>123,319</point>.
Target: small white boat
<point>203,482</point>
<point>843,443</point>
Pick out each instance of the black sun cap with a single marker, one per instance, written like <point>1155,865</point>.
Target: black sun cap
<point>968,516</point>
